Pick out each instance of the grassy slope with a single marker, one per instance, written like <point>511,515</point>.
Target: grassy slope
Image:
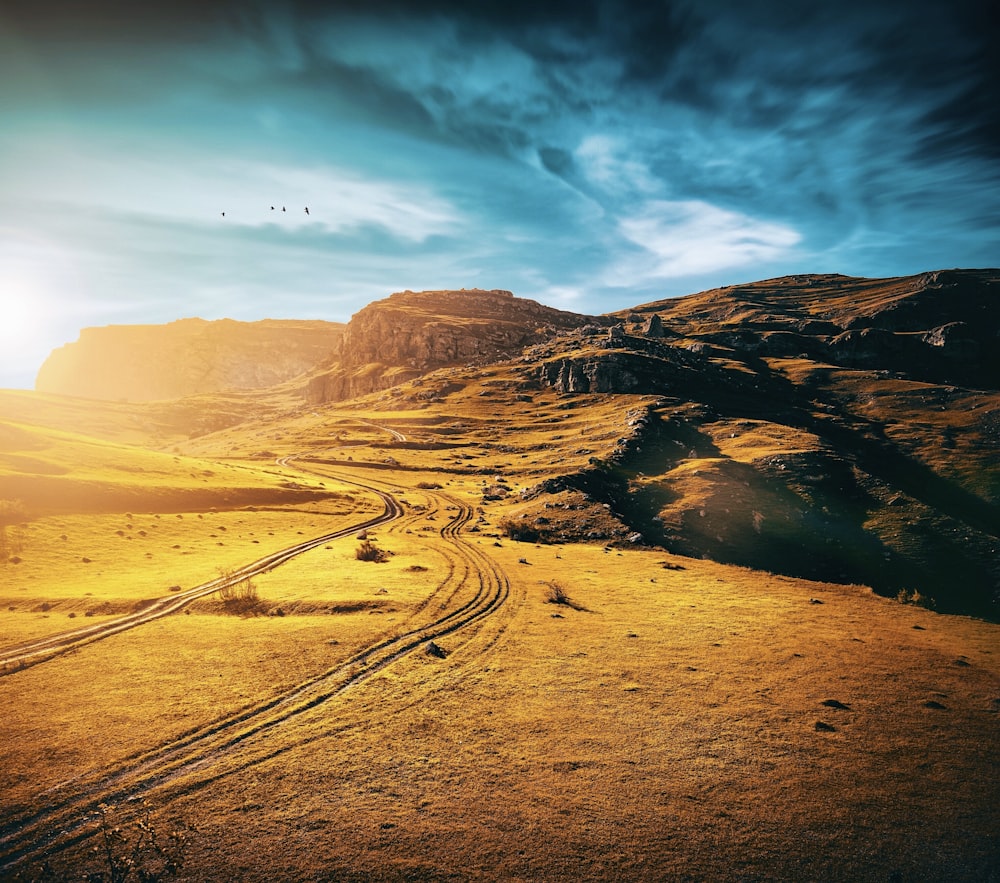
<point>667,730</point>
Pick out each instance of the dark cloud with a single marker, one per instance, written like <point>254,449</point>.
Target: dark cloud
<point>115,21</point>
<point>368,92</point>
<point>556,160</point>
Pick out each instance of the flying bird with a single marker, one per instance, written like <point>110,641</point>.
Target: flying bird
<point>223,214</point>
<point>307,210</point>
<point>282,208</point>
<point>272,208</point>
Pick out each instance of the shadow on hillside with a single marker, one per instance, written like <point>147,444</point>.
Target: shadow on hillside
<point>862,511</point>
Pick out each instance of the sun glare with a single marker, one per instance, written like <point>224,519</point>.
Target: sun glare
<point>28,331</point>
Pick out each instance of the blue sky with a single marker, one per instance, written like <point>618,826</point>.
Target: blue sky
<point>590,155</point>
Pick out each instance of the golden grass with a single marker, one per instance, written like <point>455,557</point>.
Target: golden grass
<point>667,731</point>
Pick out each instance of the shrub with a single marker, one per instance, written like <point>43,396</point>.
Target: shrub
<point>556,594</point>
<point>914,597</point>
<point>521,530</point>
<point>368,551</point>
<point>238,593</point>
<point>127,851</point>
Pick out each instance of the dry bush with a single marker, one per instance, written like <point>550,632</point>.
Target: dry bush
<point>126,851</point>
<point>519,530</point>
<point>238,594</point>
<point>914,597</point>
<point>368,551</point>
<point>556,594</point>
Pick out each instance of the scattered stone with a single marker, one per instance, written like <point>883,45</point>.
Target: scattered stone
<point>654,326</point>
<point>835,703</point>
<point>824,727</point>
<point>962,663</point>
<point>435,650</point>
<point>932,703</point>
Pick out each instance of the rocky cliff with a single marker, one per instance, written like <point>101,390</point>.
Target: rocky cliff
<point>410,333</point>
<point>187,357</point>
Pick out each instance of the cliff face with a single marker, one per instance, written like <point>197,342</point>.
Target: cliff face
<point>410,333</point>
<point>187,357</point>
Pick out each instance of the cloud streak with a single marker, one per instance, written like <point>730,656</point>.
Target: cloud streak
<point>685,238</point>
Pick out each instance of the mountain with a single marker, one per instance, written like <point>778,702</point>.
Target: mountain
<point>410,333</point>
<point>190,356</point>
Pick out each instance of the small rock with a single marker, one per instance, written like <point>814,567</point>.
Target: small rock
<point>931,703</point>
<point>435,650</point>
<point>834,703</point>
<point>815,601</point>
<point>823,727</point>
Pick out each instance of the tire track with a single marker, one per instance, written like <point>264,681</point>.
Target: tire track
<point>24,655</point>
<point>243,737</point>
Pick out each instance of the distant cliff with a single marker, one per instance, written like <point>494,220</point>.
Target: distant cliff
<point>410,333</point>
<point>190,356</point>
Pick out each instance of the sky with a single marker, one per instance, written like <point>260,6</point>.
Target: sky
<point>591,155</point>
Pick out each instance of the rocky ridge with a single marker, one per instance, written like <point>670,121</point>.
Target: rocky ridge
<point>411,333</point>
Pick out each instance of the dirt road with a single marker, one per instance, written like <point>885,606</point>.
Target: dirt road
<point>21,656</point>
<point>472,591</point>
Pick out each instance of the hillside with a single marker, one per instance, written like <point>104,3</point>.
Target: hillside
<point>143,363</point>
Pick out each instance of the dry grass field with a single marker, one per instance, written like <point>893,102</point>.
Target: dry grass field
<point>470,707</point>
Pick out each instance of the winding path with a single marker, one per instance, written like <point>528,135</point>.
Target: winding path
<point>473,590</point>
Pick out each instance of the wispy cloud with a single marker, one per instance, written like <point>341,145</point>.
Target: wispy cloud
<point>685,238</point>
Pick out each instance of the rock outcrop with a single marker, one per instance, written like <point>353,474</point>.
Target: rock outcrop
<point>191,356</point>
<point>410,333</point>
<point>939,327</point>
